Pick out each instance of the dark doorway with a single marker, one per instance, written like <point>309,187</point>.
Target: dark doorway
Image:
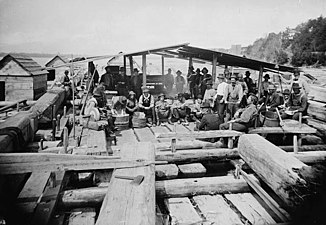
<point>51,75</point>
<point>2,91</point>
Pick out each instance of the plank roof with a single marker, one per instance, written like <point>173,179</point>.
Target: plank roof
<point>57,57</point>
<point>26,62</point>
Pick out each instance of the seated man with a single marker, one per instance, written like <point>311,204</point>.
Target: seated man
<point>196,110</point>
<point>132,106</point>
<point>272,100</point>
<point>180,110</point>
<point>119,105</point>
<point>298,102</point>
<point>146,105</point>
<point>162,109</point>
<point>209,121</point>
<point>243,118</point>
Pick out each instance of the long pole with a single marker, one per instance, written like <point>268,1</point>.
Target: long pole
<point>88,89</point>
<point>73,97</point>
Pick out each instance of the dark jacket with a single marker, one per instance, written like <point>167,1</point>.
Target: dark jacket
<point>209,122</point>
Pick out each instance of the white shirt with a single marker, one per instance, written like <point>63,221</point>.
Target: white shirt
<point>221,88</point>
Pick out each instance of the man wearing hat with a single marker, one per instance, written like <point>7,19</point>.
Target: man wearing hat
<point>302,82</point>
<point>264,85</point>
<point>94,103</point>
<point>243,118</point>
<point>272,100</point>
<point>132,106</point>
<point>297,103</point>
<point>209,93</point>
<point>249,82</point>
<point>209,121</point>
<point>191,78</point>
<point>205,78</point>
<point>179,82</point>
<point>162,109</point>
<point>233,96</point>
<point>146,105</point>
<point>122,83</point>
<point>136,82</point>
<point>219,99</point>
<point>168,81</point>
<point>107,79</point>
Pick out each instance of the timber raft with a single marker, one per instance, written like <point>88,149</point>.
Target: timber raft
<point>175,175</point>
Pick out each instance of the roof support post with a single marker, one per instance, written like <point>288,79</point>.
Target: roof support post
<point>260,78</point>
<point>214,67</point>
<point>131,64</point>
<point>144,69</point>
<point>125,65</point>
<point>190,62</point>
<point>162,65</point>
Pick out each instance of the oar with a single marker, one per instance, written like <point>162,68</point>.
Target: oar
<point>281,121</point>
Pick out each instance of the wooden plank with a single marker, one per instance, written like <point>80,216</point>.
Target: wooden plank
<point>168,171</point>
<point>63,123</point>
<point>128,203</point>
<point>96,140</point>
<point>144,134</point>
<point>197,155</point>
<point>304,129</point>
<point>317,93</point>
<point>201,134</point>
<point>45,208</point>
<point>185,145</point>
<point>182,211</point>
<point>33,189</point>
<point>160,129</point>
<point>310,157</point>
<point>277,168</point>
<point>216,210</point>
<point>178,128</point>
<point>82,216</point>
<point>198,186</point>
<point>317,110</point>
<point>192,170</point>
<point>126,136</point>
<point>250,208</point>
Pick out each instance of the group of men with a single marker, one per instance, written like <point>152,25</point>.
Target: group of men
<point>233,101</point>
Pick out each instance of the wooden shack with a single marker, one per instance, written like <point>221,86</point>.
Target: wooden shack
<point>21,78</point>
<point>56,71</point>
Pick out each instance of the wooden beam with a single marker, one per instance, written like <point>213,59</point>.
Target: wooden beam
<point>277,168</point>
<point>192,170</point>
<point>144,69</point>
<point>214,67</point>
<point>128,203</point>
<point>260,79</point>
<point>304,129</point>
<point>162,58</point>
<point>131,64</point>
<point>304,148</point>
<point>199,186</point>
<point>310,157</point>
<point>82,216</point>
<point>200,134</point>
<point>197,155</point>
<point>168,171</point>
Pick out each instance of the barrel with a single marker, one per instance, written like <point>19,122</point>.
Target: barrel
<point>271,119</point>
<point>121,121</point>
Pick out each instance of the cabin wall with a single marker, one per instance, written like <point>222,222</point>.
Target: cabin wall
<point>39,85</point>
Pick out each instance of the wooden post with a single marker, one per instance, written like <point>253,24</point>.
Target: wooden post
<point>32,122</point>
<point>54,109</point>
<point>54,123</point>
<point>73,100</point>
<point>41,144</point>
<point>300,118</point>
<point>144,69</point>
<point>214,67</point>
<point>131,64</point>
<point>295,144</point>
<point>162,57</point>
<point>17,106</point>
<point>230,139</point>
<point>173,145</point>
<point>65,111</point>
<point>58,122</point>
<point>260,77</point>
<point>190,62</point>
<point>125,65</point>
<point>65,140</point>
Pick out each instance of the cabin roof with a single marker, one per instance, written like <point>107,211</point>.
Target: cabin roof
<point>27,63</point>
<point>57,57</point>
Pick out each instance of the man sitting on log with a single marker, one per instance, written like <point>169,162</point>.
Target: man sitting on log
<point>162,109</point>
<point>196,110</point>
<point>146,105</point>
<point>272,100</point>
<point>180,110</point>
<point>297,103</point>
<point>209,121</point>
<point>243,118</point>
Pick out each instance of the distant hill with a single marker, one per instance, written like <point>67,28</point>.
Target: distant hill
<point>304,45</point>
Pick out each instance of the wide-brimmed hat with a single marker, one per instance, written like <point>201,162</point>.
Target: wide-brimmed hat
<point>209,82</point>
<point>66,71</point>
<point>204,69</point>
<point>205,105</point>
<point>145,89</point>
<point>247,72</point>
<point>296,86</point>
<point>132,93</point>
<point>178,72</point>
<point>136,70</point>
<point>286,92</point>
<point>267,76</point>
<point>161,94</point>
<point>233,80</point>
<point>271,87</point>
<point>197,70</point>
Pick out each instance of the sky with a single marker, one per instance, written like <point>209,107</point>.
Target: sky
<point>96,27</point>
